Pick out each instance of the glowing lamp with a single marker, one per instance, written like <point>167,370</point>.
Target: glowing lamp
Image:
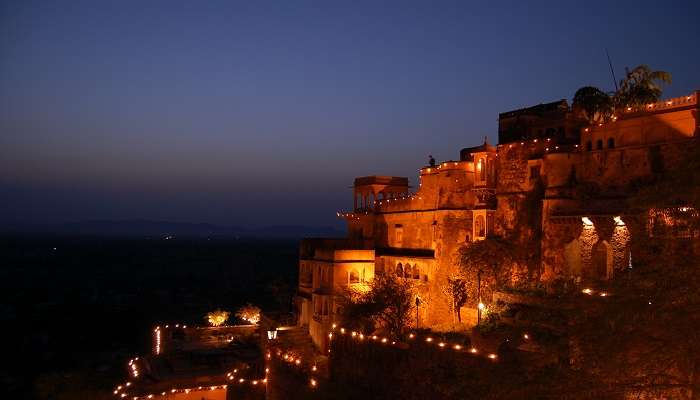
<point>272,335</point>
<point>587,291</point>
<point>619,221</point>
<point>481,306</point>
<point>586,221</point>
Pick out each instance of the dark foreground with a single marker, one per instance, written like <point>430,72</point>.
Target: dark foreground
<point>75,309</point>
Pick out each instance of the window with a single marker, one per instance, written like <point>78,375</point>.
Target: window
<point>535,172</point>
<point>611,143</point>
<point>354,277</point>
<point>482,169</point>
<point>589,146</point>
<point>407,271</point>
<point>398,235</point>
<point>416,272</point>
<point>399,270</point>
<point>480,227</point>
<point>599,144</point>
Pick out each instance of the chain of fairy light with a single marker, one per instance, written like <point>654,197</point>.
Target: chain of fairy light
<point>231,376</point>
<point>360,337</point>
<point>313,380</point>
<point>120,390</point>
<point>295,361</point>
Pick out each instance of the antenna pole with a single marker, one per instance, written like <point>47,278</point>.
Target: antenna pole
<point>612,71</point>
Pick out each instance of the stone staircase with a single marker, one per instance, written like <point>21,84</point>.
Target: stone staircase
<point>297,339</point>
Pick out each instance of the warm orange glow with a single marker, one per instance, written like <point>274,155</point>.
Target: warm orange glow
<point>249,313</point>
<point>217,318</point>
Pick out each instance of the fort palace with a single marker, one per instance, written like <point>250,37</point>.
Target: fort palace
<point>554,184</point>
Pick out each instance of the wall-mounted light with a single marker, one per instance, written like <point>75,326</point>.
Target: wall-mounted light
<point>619,221</point>
<point>272,335</point>
<point>586,221</point>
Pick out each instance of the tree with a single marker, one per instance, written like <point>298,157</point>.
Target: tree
<point>596,104</point>
<point>487,262</point>
<point>641,86</point>
<point>217,318</point>
<point>249,313</point>
<point>387,303</point>
<point>456,290</point>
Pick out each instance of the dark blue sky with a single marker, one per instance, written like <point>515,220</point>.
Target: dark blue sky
<point>258,113</point>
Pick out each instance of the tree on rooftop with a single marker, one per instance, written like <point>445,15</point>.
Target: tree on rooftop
<point>217,318</point>
<point>641,86</point>
<point>249,313</point>
<point>596,104</point>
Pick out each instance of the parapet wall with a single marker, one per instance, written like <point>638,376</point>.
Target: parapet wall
<point>175,338</point>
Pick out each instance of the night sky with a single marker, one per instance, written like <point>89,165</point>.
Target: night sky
<point>254,113</point>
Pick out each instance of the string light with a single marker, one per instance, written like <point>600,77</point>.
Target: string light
<point>428,340</point>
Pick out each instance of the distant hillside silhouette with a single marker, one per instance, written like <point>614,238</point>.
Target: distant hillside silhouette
<point>164,229</point>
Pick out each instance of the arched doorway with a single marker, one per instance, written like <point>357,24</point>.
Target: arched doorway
<point>602,260</point>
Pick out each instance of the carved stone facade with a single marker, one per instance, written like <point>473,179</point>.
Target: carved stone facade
<point>552,181</point>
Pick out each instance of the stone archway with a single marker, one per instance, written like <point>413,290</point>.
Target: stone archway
<point>602,260</point>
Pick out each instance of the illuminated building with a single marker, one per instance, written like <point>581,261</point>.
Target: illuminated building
<point>531,187</point>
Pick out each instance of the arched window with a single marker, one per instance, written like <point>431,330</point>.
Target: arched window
<point>416,272</point>
<point>589,146</point>
<point>354,277</point>
<point>407,270</point>
<point>399,270</point>
<point>611,143</point>
<point>599,144</point>
<point>482,169</point>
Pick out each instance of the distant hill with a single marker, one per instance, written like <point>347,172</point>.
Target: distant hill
<point>166,229</point>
